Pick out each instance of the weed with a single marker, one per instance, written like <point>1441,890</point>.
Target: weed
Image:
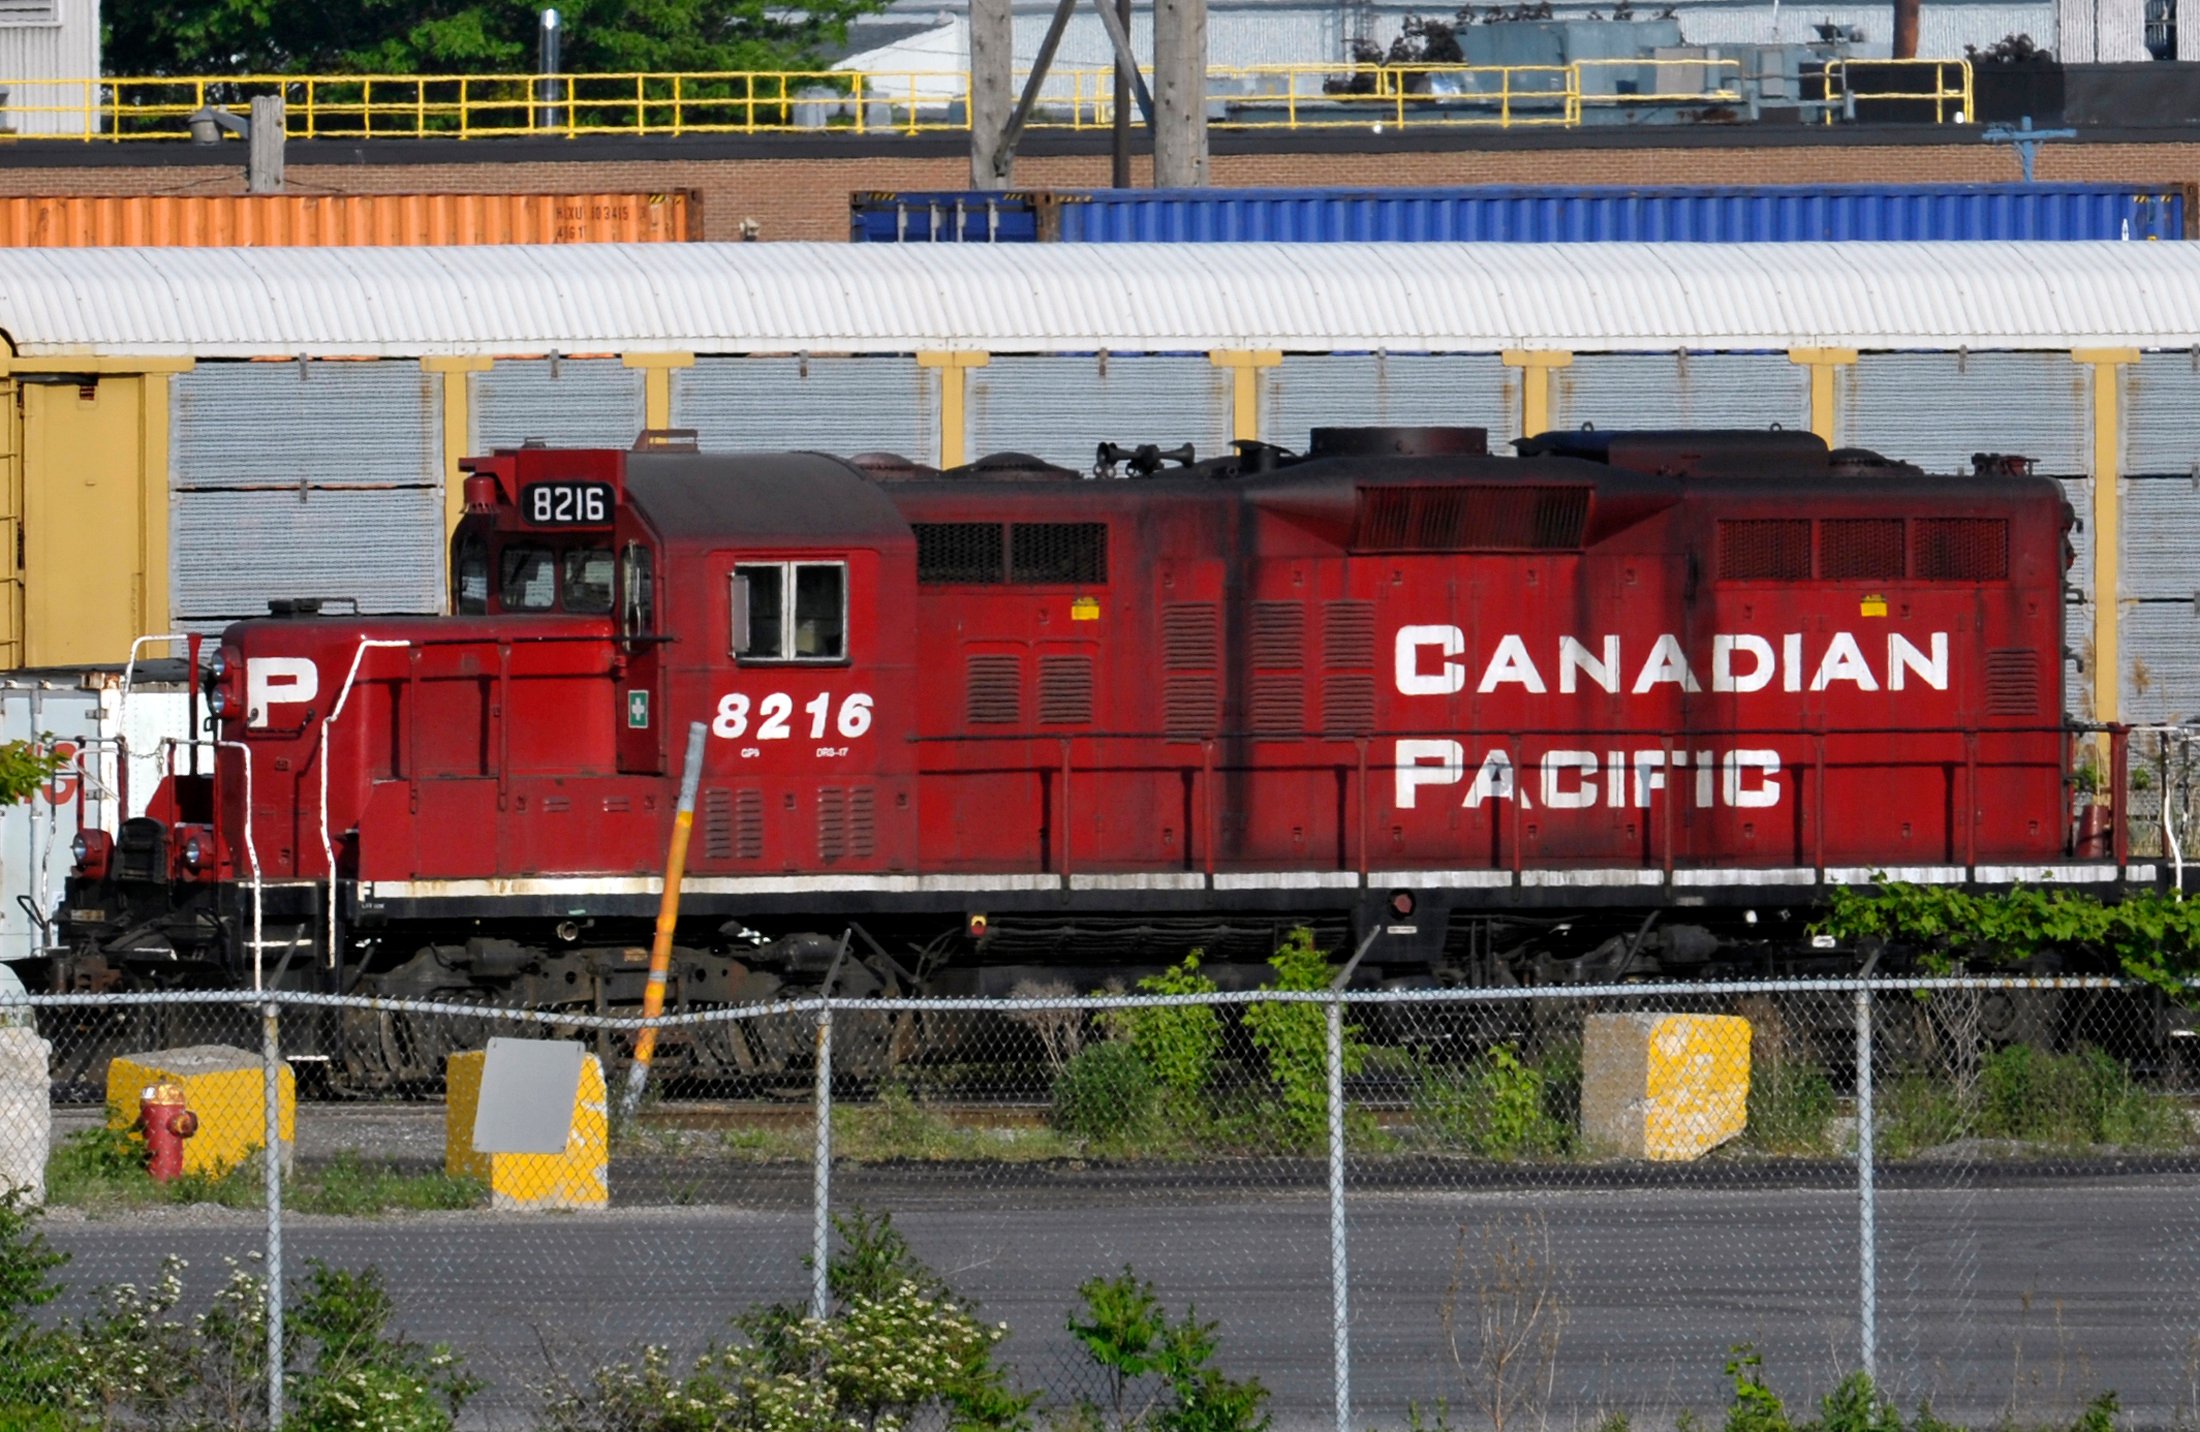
<point>32,1358</point>
<point>1179,1043</point>
<point>1160,1374</point>
<point>1790,1107</point>
<point>2030,1095</point>
<point>1501,1107</point>
<point>348,1187</point>
<point>1104,1092</point>
<point>1504,1343</point>
<point>1294,1041</point>
<point>898,1125</point>
<point>1756,1407</point>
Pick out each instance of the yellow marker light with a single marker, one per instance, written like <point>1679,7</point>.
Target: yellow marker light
<point>1085,609</point>
<point>1873,605</point>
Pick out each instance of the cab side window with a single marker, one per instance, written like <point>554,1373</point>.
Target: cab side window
<point>473,577</point>
<point>790,611</point>
<point>588,580</point>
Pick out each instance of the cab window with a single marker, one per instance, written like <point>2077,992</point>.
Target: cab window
<point>473,576</point>
<point>527,579</point>
<point>635,611</point>
<point>790,611</point>
<point>587,587</point>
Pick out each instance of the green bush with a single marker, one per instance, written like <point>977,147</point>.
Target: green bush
<point>1178,1043</point>
<point>1293,1040</point>
<point>1501,1107</point>
<point>1160,1374</point>
<point>2029,1095</point>
<point>33,1360</point>
<point>1104,1093</point>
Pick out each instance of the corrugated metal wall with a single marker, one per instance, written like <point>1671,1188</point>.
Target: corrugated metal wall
<point>1936,409</point>
<point>566,402</point>
<point>304,479</point>
<point>2160,625</point>
<point>1681,390</point>
<point>835,405</point>
<point>52,72</point>
<point>1312,390</point>
<point>1061,408</point>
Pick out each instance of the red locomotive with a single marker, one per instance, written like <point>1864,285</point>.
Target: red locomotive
<point>1618,706</point>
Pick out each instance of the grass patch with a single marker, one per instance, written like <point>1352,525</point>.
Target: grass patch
<point>102,1170</point>
<point>2026,1095</point>
<point>1791,1106</point>
<point>898,1126</point>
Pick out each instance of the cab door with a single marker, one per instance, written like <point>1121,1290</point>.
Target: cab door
<point>638,682</point>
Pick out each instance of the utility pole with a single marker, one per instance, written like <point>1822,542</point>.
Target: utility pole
<point>1120,174</point>
<point>992,92</point>
<point>1180,93</point>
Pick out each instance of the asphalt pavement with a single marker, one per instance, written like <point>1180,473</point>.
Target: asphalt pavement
<point>1995,1292</point>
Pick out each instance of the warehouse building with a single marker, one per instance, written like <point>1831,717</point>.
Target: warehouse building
<point>199,431</point>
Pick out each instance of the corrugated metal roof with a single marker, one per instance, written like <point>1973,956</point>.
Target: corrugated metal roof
<point>869,298</point>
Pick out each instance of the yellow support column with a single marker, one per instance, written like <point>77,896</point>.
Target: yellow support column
<point>457,429</point>
<point>954,424</point>
<point>1823,364</point>
<point>1245,365</point>
<point>657,384</point>
<point>1535,367</point>
<point>2108,461</point>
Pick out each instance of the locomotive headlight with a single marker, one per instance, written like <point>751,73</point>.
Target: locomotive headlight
<point>219,666</point>
<point>217,701</point>
<point>194,851</point>
<point>79,848</point>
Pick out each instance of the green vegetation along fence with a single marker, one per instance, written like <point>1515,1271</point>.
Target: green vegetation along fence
<point>1166,1207</point>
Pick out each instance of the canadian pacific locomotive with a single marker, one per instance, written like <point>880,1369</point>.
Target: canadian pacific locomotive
<point>1622,705</point>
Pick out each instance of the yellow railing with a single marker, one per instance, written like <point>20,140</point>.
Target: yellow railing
<point>1943,84</point>
<point>1302,96</point>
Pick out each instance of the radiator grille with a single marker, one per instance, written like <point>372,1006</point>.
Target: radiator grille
<point>1058,553</point>
<point>958,552</point>
<point>1474,517</point>
<point>1771,550</point>
<point>1864,549</point>
<point>1959,549</point>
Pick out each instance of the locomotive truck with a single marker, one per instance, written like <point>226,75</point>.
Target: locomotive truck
<point>1622,705</point>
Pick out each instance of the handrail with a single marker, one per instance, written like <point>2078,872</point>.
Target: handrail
<point>1277,96</point>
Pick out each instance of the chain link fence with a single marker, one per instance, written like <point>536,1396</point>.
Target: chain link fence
<point>1485,1207</point>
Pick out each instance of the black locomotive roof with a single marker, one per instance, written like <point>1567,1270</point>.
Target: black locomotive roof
<point>762,499</point>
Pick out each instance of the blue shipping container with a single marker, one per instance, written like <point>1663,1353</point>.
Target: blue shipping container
<point>1524,214</point>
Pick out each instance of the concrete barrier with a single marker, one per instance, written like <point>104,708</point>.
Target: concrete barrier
<point>224,1086</point>
<point>577,1176</point>
<point>26,1118</point>
<point>1663,1086</point>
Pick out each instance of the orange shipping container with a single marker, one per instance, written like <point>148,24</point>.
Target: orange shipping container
<point>325,220</point>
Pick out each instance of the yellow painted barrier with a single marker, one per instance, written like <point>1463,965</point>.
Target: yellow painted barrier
<point>579,1177</point>
<point>1663,1086</point>
<point>224,1086</point>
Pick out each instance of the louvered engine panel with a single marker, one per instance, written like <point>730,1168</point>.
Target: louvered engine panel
<point>1279,636</point>
<point>1279,707</point>
<point>748,825</point>
<point>993,689</point>
<point>1191,688</point>
<point>718,843</point>
<point>1065,690</point>
<point>1348,634</point>
<point>2013,682</point>
<point>832,825</point>
<point>1348,704</point>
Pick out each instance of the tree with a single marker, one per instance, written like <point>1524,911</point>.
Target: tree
<point>231,37</point>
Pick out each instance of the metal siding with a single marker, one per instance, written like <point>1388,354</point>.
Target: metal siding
<point>52,73</point>
<point>1684,390</point>
<point>77,220</point>
<point>323,424</point>
<point>1798,213</point>
<point>2161,661</point>
<point>232,551</point>
<point>2161,531</point>
<point>835,405</point>
<point>1077,298</point>
<point>1307,391</point>
<point>2162,414</point>
<point>1062,408</point>
<point>566,402</point>
<point>1937,409</point>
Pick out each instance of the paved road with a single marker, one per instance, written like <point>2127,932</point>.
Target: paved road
<point>1987,1284</point>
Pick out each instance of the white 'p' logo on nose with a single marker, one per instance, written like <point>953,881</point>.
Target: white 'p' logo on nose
<point>278,681</point>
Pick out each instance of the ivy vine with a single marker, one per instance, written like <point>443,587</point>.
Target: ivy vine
<point>2148,935</point>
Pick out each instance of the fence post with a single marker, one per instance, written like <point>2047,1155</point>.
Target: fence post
<point>821,1154</point>
<point>271,1156</point>
<point>1867,1219</point>
<point>1340,1323</point>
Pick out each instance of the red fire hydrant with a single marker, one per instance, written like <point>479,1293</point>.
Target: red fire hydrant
<point>167,1122</point>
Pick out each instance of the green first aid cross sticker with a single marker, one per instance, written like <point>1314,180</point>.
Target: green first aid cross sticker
<point>637,710</point>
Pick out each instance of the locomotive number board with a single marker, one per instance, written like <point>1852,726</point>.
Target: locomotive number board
<point>566,504</point>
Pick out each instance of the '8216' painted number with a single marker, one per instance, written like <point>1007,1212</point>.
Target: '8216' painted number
<point>774,716</point>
